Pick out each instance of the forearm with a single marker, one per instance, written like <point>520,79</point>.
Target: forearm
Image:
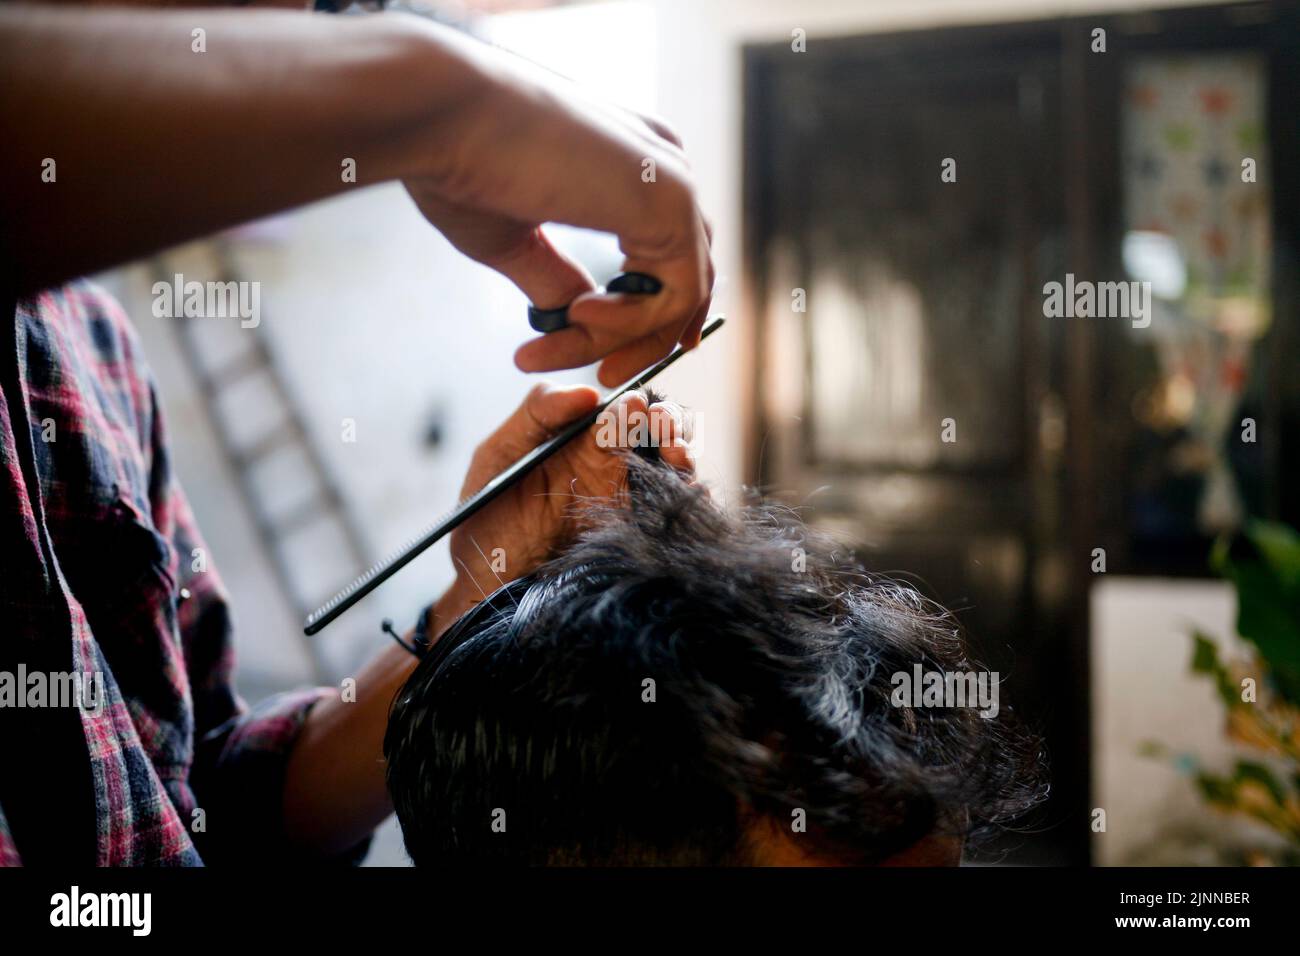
<point>155,144</point>
<point>334,792</point>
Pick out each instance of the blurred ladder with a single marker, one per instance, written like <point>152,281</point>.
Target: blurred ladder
<point>324,506</point>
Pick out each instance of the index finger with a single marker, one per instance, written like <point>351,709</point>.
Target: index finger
<point>624,330</point>
<point>601,325</point>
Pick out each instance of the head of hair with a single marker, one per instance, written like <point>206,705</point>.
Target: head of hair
<point>680,677</point>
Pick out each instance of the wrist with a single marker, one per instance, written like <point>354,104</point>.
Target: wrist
<point>441,78</point>
<point>382,93</point>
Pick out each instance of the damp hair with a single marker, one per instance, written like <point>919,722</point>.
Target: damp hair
<point>681,672</point>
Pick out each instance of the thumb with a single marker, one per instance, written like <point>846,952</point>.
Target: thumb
<point>545,410</point>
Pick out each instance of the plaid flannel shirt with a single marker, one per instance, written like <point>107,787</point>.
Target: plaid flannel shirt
<point>97,548</point>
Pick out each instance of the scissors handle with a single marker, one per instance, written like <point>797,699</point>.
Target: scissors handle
<point>629,283</point>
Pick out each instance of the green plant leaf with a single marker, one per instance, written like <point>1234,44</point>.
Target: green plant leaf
<point>1264,565</point>
<point>1205,660</point>
<point>1152,748</point>
<point>1217,790</point>
<point>1279,546</point>
<point>1258,773</point>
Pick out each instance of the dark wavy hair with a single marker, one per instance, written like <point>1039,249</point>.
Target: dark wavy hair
<point>768,654</point>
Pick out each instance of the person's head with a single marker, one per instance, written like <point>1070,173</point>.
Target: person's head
<point>688,686</point>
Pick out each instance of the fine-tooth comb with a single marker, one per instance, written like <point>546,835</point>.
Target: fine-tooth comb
<point>381,572</point>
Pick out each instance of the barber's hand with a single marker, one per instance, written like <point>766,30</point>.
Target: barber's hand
<point>531,521</point>
<point>526,147</point>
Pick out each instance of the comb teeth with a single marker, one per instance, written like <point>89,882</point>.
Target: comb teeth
<point>390,562</point>
<point>380,566</point>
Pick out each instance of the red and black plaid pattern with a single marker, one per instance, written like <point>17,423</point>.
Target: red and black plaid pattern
<point>98,547</point>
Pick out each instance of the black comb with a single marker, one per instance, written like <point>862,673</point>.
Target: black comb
<point>381,572</point>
